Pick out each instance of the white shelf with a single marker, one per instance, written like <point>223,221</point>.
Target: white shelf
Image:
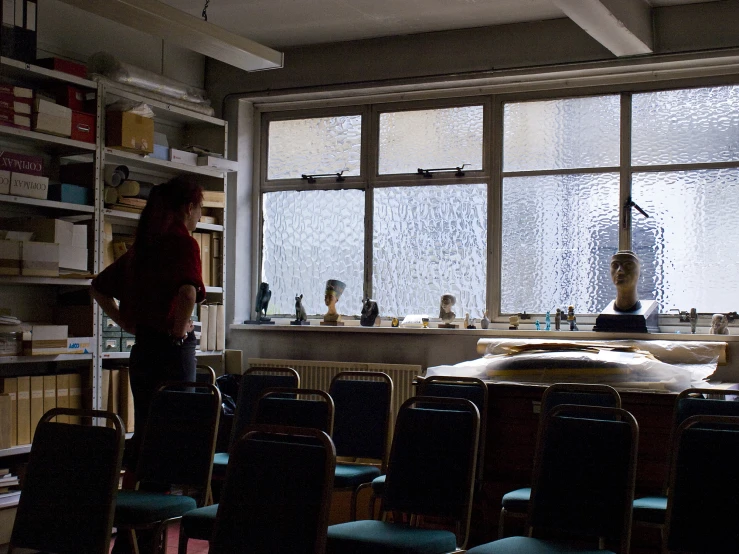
<point>13,451</point>
<point>130,218</point>
<point>34,75</point>
<point>126,355</point>
<point>47,203</point>
<point>154,166</point>
<point>60,145</point>
<point>37,359</point>
<point>22,280</point>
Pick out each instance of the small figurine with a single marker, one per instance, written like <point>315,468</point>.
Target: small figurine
<point>557,319</point>
<point>485,321</point>
<point>719,325</point>
<point>263,296</point>
<point>467,320</point>
<point>538,325</point>
<point>547,322</point>
<point>370,311</point>
<point>425,322</point>
<point>513,320</point>
<point>693,320</point>
<point>334,290</point>
<point>300,316</point>
<point>394,322</point>
<point>571,318</point>
<point>445,308</point>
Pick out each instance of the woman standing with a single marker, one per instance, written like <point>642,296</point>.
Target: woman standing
<point>157,283</point>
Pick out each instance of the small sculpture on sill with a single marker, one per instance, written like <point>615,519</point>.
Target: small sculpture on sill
<point>469,323</point>
<point>445,311</point>
<point>538,325</point>
<point>334,290</point>
<point>300,316</point>
<point>571,318</point>
<point>513,323</point>
<point>369,314</point>
<point>394,322</point>
<point>557,319</point>
<point>261,304</point>
<point>719,325</point>
<point>485,321</point>
<point>547,322</point>
<point>693,320</point>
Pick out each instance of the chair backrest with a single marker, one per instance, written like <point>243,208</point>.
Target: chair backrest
<point>473,389</point>
<point>432,460</point>
<point>584,474</point>
<point>205,374</point>
<point>702,503</point>
<point>311,408</point>
<point>179,439</point>
<point>362,406</point>
<point>277,493</point>
<point>254,382</point>
<point>581,394</point>
<point>69,489</point>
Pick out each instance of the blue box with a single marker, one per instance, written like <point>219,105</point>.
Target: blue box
<point>74,194</point>
<point>160,152</point>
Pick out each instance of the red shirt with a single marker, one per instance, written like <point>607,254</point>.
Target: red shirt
<point>147,292</point>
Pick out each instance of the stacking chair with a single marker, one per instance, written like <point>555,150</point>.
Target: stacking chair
<point>302,408</point>
<point>703,499</point>
<point>176,451</point>
<point>473,389</point>
<point>651,511</point>
<point>516,502</point>
<point>362,401</point>
<point>583,484</point>
<point>68,496</point>
<point>205,374</point>
<point>277,493</point>
<point>431,444</point>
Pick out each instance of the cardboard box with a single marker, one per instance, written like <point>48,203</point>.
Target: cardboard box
<point>83,126</point>
<point>75,395</point>
<point>40,259</point>
<point>182,157</point>
<point>29,186</point>
<point>205,243</point>
<point>112,344</point>
<point>51,118</point>
<point>218,163</point>
<point>37,402</point>
<point>14,104</point>
<point>5,408</point>
<point>62,395</point>
<point>72,194</point>
<point>127,343</point>
<point>214,199</point>
<point>4,181</point>
<point>24,410</point>
<point>108,254</point>
<point>21,163</point>
<point>49,392</point>
<point>9,386</point>
<point>45,340</point>
<point>72,257</point>
<point>80,345</point>
<point>13,90</point>
<point>10,257</point>
<point>14,118</point>
<point>128,131</point>
<point>79,235</point>
<point>43,229</point>
<point>65,66</point>
<point>71,97</point>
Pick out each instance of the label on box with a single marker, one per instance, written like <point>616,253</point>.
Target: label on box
<point>22,163</point>
<point>182,157</point>
<point>4,181</point>
<point>30,186</point>
<point>79,345</point>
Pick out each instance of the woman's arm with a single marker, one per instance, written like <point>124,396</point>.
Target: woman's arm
<point>110,307</point>
<point>183,306</point>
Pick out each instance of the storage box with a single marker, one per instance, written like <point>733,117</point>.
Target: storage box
<point>16,105</point>
<point>127,343</point>
<point>45,340</point>
<point>214,199</point>
<point>79,235</point>
<point>128,131</point>
<point>21,163</point>
<point>80,345</point>
<point>160,152</point>
<point>72,257</point>
<point>110,325</point>
<point>10,257</point>
<point>44,230</point>
<point>182,157</point>
<point>51,118</point>
<point>65,66</point>
<point>111,344</point>
<point>218,163</point>
<point>40,259</point>
<point>4,181</point>
<point>83,126</point>
<point>30,186</point>
<point>15,119</point>
<point>64,192</point>
<point>71,97</point>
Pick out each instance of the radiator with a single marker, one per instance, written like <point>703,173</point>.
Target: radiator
<point>317,374</point>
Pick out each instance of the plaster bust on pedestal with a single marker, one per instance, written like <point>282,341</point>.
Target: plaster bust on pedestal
<point>625,270</point>
<point>334,290</point>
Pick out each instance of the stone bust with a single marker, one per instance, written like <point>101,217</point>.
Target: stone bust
<point>334,290</point>
<point>445,308</point>
<point>625,269</point>
<point>719,325</point>
<point>370,311</point>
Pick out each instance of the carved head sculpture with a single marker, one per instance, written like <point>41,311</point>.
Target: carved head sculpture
<point>625,269</point>
<point>445,307</point>
<point>719,325</point>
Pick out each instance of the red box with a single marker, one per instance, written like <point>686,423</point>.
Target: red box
<point>72,97</point>
<point>21,163</point>
<point>65,66</point>
<point>83,126</point>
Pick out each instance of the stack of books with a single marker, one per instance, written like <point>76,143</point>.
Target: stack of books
<point>9,492</point>
<point>129,196</point>
<point>15,106</point>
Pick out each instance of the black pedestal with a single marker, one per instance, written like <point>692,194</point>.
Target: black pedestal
<point>643,320</point>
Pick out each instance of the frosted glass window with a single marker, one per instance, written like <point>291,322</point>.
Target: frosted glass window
<point>688,245</point>
<point>314,146</point>
<point>561,134</point>
<point>310,237</point>
<point>446,137</point>
<point>428,241</point>
<point>559,233</point>
<point>686,126</point>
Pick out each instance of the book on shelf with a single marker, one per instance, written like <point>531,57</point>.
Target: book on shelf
<point>124,208</point>
<point>139,203</point>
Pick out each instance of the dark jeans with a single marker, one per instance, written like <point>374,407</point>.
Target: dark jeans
<point>154,360</point>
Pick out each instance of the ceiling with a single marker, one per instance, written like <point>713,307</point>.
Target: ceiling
<point>286,23</point>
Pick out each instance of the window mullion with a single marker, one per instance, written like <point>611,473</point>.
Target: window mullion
<point>495,202</point>
<point>369,156</point>
<point>624,234</point>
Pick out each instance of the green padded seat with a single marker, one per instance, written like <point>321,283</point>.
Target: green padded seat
<point>379,537</point>
<point>351,476</point>
<point>526,545</point>
<point>517,501</point>
<point>139,507</point>
<point>650,509</point>
<point>378,485</point>
<point>199,524</point>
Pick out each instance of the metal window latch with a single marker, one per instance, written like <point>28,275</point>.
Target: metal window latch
<point>627,211</point>
<point>312,178</point>
<point>428,173</point>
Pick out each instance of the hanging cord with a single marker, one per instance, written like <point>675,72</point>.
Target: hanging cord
<point>205,10</point>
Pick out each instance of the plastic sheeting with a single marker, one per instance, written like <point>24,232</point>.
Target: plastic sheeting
<point>667,365</point>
